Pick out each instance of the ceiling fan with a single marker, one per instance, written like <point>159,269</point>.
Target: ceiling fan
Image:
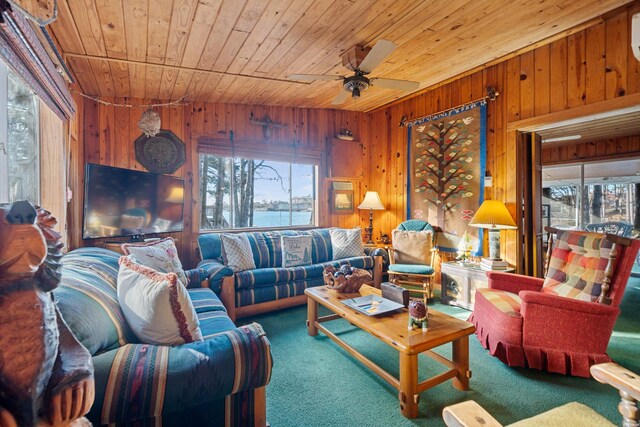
<point>361,60</point>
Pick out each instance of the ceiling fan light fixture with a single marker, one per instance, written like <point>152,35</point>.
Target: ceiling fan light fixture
<point>357,82</point>
<point>355,93</point>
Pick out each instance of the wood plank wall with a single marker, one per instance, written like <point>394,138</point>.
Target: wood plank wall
<point>105,135</point>
<point>53,171</point>
<point>586,67</point>
<point>585,151</point>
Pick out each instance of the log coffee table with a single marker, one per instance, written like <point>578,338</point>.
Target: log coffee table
<point>392,330</point>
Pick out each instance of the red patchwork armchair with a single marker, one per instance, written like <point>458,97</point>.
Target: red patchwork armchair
<point>561,323</point>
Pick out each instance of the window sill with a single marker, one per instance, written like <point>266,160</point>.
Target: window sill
<point>251,229</point>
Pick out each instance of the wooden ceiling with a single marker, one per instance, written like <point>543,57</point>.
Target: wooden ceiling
<point>240,51</point>
<point>613,124</point>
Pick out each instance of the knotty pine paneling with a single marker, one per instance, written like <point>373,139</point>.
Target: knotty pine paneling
<point>585,67</point>
<point>105,135</point>
<point>53,173</point>
<point>585,151</point>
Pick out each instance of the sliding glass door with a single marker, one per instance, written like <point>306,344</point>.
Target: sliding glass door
<point>579,195</point>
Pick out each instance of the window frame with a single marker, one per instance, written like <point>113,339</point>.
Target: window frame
<point>315,183</point>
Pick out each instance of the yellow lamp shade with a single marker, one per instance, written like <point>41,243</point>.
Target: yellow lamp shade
<point>371,201</point>
<point>493,214</point>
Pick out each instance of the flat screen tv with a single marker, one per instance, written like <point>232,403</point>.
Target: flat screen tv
<point>123,202</point>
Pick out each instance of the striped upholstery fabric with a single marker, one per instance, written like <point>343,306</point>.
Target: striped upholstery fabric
<point>196,277</point>
<point>506,302</point>
<point>267,252</point>
<point>144,382</point>
<point>216,271</point>
<point>88,291</point>
<point>577,264</point>
<point>204,300</point>
<point>246,297</point>
<point>269,276</point>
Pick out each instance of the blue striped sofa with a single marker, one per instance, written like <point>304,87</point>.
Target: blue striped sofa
<point>215,382</point>
<point>270,286</point>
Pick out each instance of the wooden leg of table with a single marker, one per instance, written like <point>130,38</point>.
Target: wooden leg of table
<point>312,317</point>
<point>461,363</point>
<point>408,393</point>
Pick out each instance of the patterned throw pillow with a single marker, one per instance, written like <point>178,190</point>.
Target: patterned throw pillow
<point>346,243</point>
<point>412,247</point>
<point>296,250</point>
<point>236,252</point>
<point>577,265</point>
<point>160,255</point>
<point>156,305</point>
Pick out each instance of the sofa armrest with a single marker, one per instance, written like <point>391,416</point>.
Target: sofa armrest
<point>197,278</point>
<point>181,377</point>
<point>552,301</point>
<point>513,283</point>
<point>216,272</point>
<point>558,323</point>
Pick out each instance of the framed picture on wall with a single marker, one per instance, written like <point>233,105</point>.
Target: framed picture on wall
<point>342,197</point>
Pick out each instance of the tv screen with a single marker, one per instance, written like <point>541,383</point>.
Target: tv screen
<point>123,202</point>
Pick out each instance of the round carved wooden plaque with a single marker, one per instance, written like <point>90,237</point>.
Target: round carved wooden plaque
<point>163,153</point>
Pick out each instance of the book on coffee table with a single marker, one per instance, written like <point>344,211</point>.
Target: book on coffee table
<point>372,305</point>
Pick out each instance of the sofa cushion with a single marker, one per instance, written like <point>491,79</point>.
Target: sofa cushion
<point>88,291</point>
<point>507,302</point>
<point>412,247</point>
<point>157,305</point>
<point>262,277</point>
<point>577,265</point>
<point>214,322</point>
<point>161,255</point>
<point>296,250</point>
<point>210,246</point>
<point>204,300</point>
<point>346,242</point>
<point>236,252</point>
<point>410,269</point>
<point>321,250</point>
<point>245,297</point>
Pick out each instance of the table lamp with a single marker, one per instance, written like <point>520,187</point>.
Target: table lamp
<point>493,214</point>
<point>372,202</point>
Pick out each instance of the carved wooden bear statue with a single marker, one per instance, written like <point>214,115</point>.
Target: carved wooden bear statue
<point>46,376</point>
<point>418,315</point>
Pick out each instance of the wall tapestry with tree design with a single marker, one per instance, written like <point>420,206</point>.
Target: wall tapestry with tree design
<point>447,157</point>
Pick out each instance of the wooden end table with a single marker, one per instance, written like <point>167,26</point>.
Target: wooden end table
<point>392,330</point>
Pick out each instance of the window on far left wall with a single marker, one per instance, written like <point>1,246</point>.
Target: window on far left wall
<point>19,140</point>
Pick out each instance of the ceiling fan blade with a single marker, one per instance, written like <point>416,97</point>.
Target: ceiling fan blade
<point>342,96</point>
<point>378,53</point>
<point>313,77</point>
<point>395,84</point>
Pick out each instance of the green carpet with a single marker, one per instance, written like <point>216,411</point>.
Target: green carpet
<point>316,383</point>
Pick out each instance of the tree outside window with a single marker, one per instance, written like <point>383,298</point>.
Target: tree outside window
<point>245,193</point>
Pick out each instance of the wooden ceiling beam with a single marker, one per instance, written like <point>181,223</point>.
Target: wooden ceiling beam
<point>177,67</point>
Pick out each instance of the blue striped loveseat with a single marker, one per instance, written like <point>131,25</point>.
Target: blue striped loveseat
<point>270,286</point>
<point>219,381</point>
